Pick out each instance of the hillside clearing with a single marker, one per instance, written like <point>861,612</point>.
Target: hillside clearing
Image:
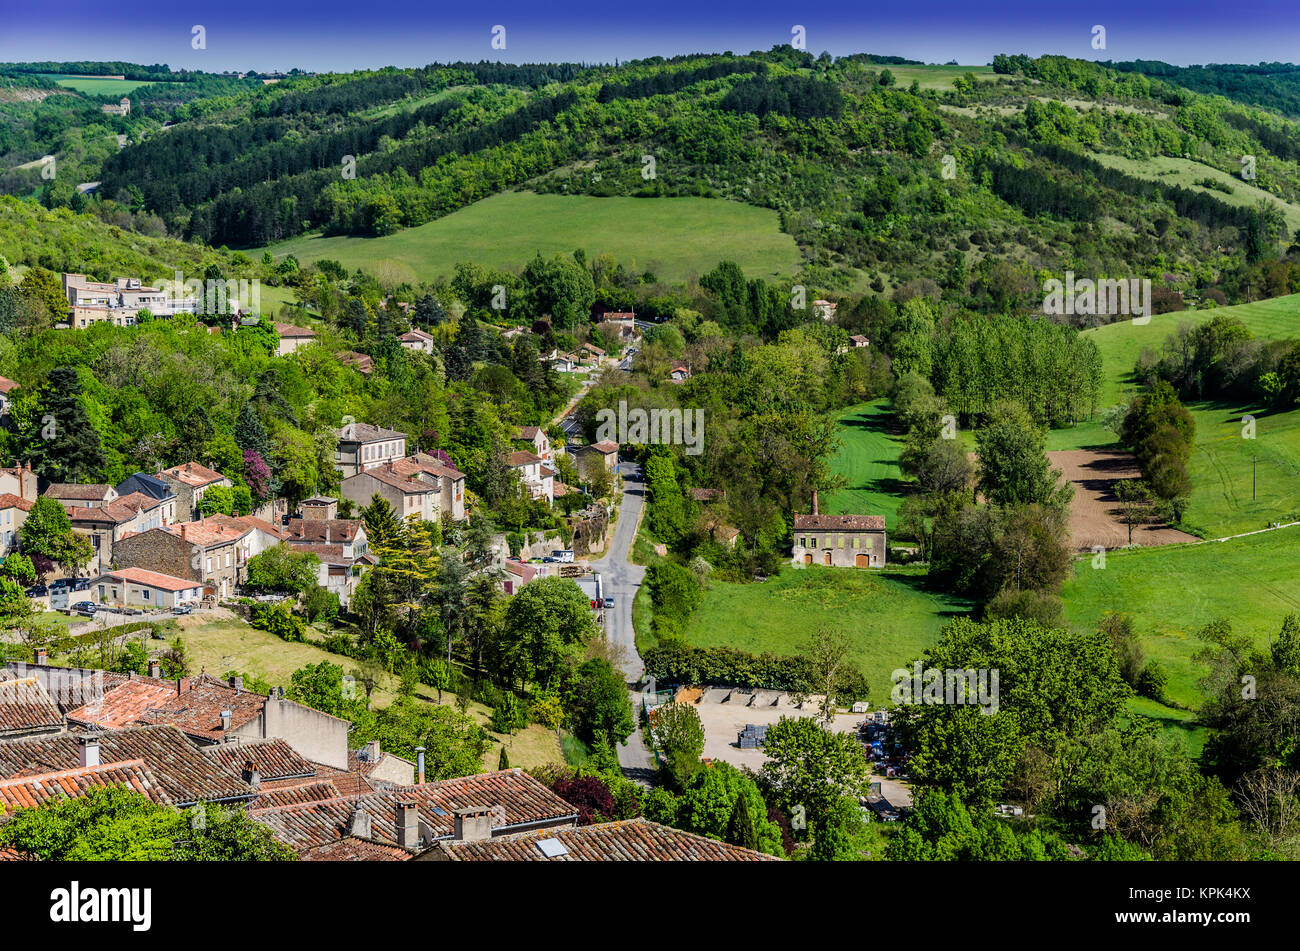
<point>868,460</point>
<point>674,237</point>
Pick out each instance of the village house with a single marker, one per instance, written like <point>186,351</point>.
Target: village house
<point>20,481</point>
<point>85,496</point>
<point>152,486</point>
<point>139,588</point>
<point>680,373</point>
<point>7,386</point>
<point>119,303</point>
<point>603,454</point>
<point>363,362</point>
<point>537,436</point>
<point>348,533</point>
<point>123,108</point>
<point>190,481</point>
<point>417,340</point>
<point>536,476</point>
<point>411,493</point>
<point>319,507</point>
<point>590,353</point>
<point>214,550</point>
<point>844,541</point>
<point>825,309</point>
<point>560,362</point>
<point>13,512</point>
<point>363,446</point>
<point>291,338</point>
<point>105,525</point>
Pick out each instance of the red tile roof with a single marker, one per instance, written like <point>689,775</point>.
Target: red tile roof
<point>75,492</point>
<point>294,795</point>
<point>522,457</point>
<point>26,706</point>
<point>10,501</point>
<point>155,579</point>
<point>315,529</point>
<point>210,531</point>
<point>30,791</point>
<point>183,772</point>
<point>197,711</point>
<point>289,330</point>
<point>354,850</point>
<point>194,474</point>
<point>422,463</point>
<point>6,384</point>
<point>520,800</point>
<point>274,759</point>
<point>839,523</point>
<point>632,840</point>
<point>125,704</point>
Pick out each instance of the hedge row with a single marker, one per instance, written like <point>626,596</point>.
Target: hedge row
<point>729,667</point>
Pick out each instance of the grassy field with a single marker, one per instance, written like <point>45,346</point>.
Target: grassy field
<point>94,86</point>
<point>674,237</point>
<point>230,644</point>
<point>868,460</point>
<point>1221,465</point>
<point>936,77</point>
<point>1173,591</point>
<point>1186,172</point>
<point>888,616</point>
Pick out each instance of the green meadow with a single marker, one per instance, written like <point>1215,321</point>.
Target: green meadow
<point>674,237</point>
<point>94,86</point>
<point>868,460</point>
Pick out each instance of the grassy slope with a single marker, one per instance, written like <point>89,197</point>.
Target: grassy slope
<point>97,87</point>
<point>1186,172</point>
<point>675,237</point>
<point>888,617</point>
<point>222,645</point>
<point>868,459</point>
<point>1173,591</point>
<point>936,77</point>
<point>1221,464</point>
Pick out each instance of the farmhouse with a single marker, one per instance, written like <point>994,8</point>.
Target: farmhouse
<point>140,588</point>
<point>592,458</point>
<point>537,436</point>
<point>859,341</point>
<point>680,373</point>
<point>417,340</point>
<point>536,476</point>
<point>291,338</point>
<point>190,481</point>
<point>123,108</point>
<point>844,541</point>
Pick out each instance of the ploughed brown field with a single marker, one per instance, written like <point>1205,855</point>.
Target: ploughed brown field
<point>1094,512</point>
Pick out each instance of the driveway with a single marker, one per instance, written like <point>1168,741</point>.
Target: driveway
<point>620,580</point>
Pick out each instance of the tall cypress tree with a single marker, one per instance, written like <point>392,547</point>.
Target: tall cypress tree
<point>63,445</point>
<point>740,827</point>
<point>250,434</point>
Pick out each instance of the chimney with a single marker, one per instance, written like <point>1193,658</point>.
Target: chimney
<point>250,774</point>
<point>814,511</point>
<point>419,765</point>
<point>372,751</point>
<point>155,669</point>
<point>42,657</point>
<point>182,531</point>
<point>88,751</point>
<point>237,683</point>
<point>226,718</point>
<point>473,824</point>
<point>408,825</point>
<point>180,686</point>
<point>359,823</point>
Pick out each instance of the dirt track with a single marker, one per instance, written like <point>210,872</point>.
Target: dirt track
<point>1094,512</point>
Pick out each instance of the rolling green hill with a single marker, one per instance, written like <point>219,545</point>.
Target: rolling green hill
<point>868,460</point>
<point>674,237</point>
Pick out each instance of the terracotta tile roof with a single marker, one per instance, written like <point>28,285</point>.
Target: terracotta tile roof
<point>155,579</point>
<point>194,474</point>
<point>416,335</point>
<point>70,687</point>
<point>289,330</point>
<point>362,361</point>
<point>252,521</point>
<point>347,782</point>
<point>30,791</point>
<point>197,711</point>
<point>210,531</point>
<point>354,850</point>
<point>632,840</point>
<point>10,501</point>
<point>839,523</point>
<point>407,484</point>
<point>183,772</point>
<point>314,529</point>
<point>525,571</point>
<point>6,385</point>
<point>125,704</point>
<point>365,432</point>
<point>422,463</point>
<point>522,457</point>
<point>74,492</point>
<point>527,432</point>
<point>520,799</point>
<point>290,795</point>
<point>274,759</point>
<point>26,706</point>
<point>605,446</point>
<point>13,855</point>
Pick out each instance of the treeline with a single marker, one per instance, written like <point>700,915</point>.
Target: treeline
<point>798,96</point>
<point>729,667</point>
<point>1220,359</point>
<point>158,71</point>
<point>1036,192</point>
<point>1274,86</point>
<point>1051,370</point>
<point>670,81</point>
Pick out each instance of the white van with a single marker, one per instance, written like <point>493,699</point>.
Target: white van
<point>563,555</point>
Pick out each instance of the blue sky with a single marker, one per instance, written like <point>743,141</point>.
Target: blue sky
<point>333,34</point>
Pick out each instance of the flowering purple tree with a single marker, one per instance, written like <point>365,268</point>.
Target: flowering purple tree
<point>257,474</point>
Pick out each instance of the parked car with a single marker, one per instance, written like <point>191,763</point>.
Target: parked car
<point>37,591</point>
<point>609,602</point>
<point>185,609</point>
<point>549,560</point>
<point>61,584</point>
<point>84,608</point>
<point>83,584</point>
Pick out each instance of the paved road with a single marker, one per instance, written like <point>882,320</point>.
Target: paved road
<point>620,580</point>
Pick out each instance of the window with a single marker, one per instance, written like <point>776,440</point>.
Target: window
<point>146,594</point>
<point>209,563</point>
<point>814,542</point>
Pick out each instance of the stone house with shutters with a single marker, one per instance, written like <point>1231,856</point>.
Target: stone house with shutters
<point>213,550</point>
<point>840,541</point>
<point>363,446</point>
<point>190,481</point>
